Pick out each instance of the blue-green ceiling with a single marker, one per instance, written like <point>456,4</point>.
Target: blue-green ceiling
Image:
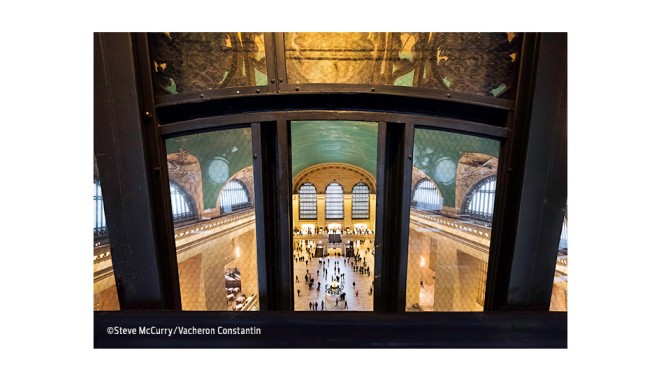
<point>437,154</point>
<point>233,147</point>
<point>315,142</point>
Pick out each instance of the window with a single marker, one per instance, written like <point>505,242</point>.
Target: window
<point>234,196</point>
<point>481,199</point>
<point>307,201</point>
<point>334,201</point>
<point>181,204</point>
<point>100,228</point>
<point>360,205</point>
<point>426,196</point>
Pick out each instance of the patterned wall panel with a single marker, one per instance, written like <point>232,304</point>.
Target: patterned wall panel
<point>474,63</point>
<point>185,62</point>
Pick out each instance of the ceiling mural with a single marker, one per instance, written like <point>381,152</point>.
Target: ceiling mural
<point>220,154</point>
<point>437,154</point>
<point>315,142</point>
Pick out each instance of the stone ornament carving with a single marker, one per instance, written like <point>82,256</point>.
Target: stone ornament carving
<point>472,167</point>
<point>184,169</point>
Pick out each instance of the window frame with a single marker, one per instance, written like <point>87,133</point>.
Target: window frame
<point>274,144</point>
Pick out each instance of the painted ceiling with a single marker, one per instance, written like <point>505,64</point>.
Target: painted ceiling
<point>315,142</point>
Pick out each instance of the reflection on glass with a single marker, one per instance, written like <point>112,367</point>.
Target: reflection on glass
<point>185,62</point>
<point>559,299</point>
<point>212,194</point>
<point>474,63</point>
<point>334,205</point>
<point>453,192</point>
<point>105,291</point>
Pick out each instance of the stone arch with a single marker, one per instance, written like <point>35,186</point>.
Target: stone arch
<point>186,172</point>
<point>245,177</point>
<point>322,174</point>
<point>473,167</point>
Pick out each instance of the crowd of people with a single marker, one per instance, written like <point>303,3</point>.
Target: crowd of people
<point>333,266</point>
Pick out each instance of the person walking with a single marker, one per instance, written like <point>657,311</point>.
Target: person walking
<point>357,292</point>
<point>345,304</point>
<point>353,285</point>
<point>310,306</point>
<point>322,305</point>
<point>298,292</point>
<point>296,279</point>
<point>337,303</point>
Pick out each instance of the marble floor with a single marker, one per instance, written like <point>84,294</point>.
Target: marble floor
<point>360,302</point>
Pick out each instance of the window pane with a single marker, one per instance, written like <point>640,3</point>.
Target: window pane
<point>360,204</point>
<point>212,192</point>
<point>334,185</point>
<point>475,63</point>
<point>105,290</point>
<point>307,208</point>
<point>186,62</point>
<point>334,201</point>
<point>453,190</point>
<point>559,299</point>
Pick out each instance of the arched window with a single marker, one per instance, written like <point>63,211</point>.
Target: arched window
<point>307,202</point>
<point>480,201</point>
<point>334,201</point>
<point>100,228</point>
<point>234,196</point>
<point>360,199</point>
<point>182,207</point>
<point>426,196</point>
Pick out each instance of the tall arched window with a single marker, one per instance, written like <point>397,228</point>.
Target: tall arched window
<point>360,199</point>
<point>426,196</point>
<point>234,196</point>
<point>307,201</point>
<point>480,201</point>
<point>100,228</point>
<point>334,201</point>
<point>182,207</point>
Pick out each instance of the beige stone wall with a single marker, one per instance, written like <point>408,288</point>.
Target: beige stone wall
<point>245,250</point>
<point>192,284</point>
<point>453,267</point>
<point>559,299</point>
<point>105,294</point>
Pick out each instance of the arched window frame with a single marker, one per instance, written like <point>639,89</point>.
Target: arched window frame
<point>183,207</point>
<point>426,196</point>
<point>234,197</point>
<point>479,202</point>
<point>360,201</point>
<point>334,201</point>
<point>100,225</point>
<point>307,206</point>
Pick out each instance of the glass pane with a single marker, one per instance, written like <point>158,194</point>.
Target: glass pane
<point>453,190</point>
<point>474,63</point>
<point>105,290</point>
<point>559,299</point>
<point>185,62</point>
<point>212,192</point>
<point>334,201</point>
